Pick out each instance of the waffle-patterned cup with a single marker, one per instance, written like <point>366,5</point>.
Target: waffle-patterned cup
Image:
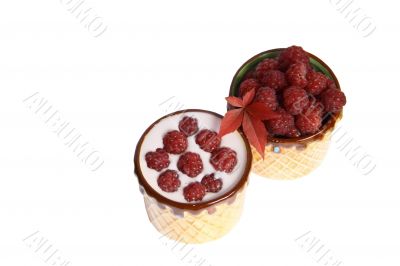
<point>290,158</point>
<point>193,222</point>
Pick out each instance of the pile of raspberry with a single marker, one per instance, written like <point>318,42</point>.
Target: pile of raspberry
<point>223,159</point>
<point>289,85</point>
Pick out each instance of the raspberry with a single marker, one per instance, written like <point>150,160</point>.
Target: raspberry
<point>330,84</point>
<point>175,142</point>
<point>274,79</point>
<point>190,164</point>
<point>208,140</point>
<point>223,159</point>
<point>250,75</point>
<point>297,75</point>
<point>314,106</point>
<point>264,66</point>
<point>157,160</point>
<point>195,191</point>
<point>292,54</point>
<point>295,100</point>
<point>293,133</point>
<point>310,122</point>
<point>282,126</point>
<point>188,126</point>
<point>169,181</point>
<point>211,183</point>
<point>248,85</point>
<point>317,82</point>
<point>267,96</point>
<point>333,100</point>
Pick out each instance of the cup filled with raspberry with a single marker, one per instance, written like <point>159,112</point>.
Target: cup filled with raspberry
<point>307,101</point>
<point>192,179</point>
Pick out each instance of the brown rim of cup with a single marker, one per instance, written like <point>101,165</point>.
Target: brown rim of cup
<point>328,124</point>
<point>189,206</point>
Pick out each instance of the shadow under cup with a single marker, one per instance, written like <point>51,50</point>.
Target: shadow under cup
<point>290,158</point>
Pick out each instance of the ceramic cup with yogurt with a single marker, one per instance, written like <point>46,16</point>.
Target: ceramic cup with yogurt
<point>171,213</point>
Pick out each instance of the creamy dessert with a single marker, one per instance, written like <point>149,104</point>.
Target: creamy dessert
<point>183,159</point>
<point>193,181</point>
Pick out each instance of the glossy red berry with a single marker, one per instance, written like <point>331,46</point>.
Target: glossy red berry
<point>274,79</point>
<point>157,160</point>
<point>188,126</point>
<point>190,164</point>
<point>208,140</point>
<point>283,125</point>
<point>293,133</point>
<point>195,191</point>
<point>317,82</point>
<point>295,100</point>
<point>264,66</point>
<point>291,55</point>
<point>296,75</point>
<point>333,100</point>
<point>211,183</point>
<point>309,123</point>
<point>223,159</point>
<point>267,96</point>
<point>248,85</point>
<point>169,181</point>
<point>175,142</point>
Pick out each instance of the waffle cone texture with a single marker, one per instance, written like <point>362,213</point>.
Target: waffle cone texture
<point>291,161</point>
<point>195,227</point>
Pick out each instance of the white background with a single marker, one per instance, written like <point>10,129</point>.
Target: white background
<point>110,89</point>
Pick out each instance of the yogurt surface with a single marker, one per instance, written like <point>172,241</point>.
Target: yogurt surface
<point>153,140</point>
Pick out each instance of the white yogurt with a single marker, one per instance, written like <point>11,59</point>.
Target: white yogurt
<point>153,140</point>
